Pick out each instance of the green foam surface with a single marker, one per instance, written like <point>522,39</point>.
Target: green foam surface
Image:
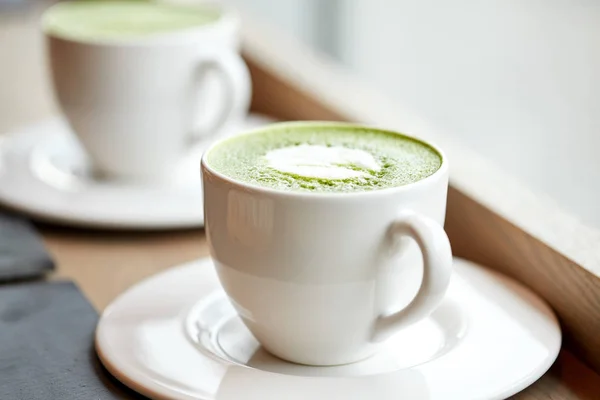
<point>403,160</point>
<point>96,19</point>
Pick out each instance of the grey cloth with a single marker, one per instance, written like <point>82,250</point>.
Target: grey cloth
<point>46,345</point>
<point>22,252</point>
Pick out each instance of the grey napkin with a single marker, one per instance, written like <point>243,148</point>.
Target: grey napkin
<point>46,346</point>
<point>22,252</point>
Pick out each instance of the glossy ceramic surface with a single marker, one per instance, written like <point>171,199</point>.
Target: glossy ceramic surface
<point>45,173</point>
<point>304,269</point>
<point>175,336</point>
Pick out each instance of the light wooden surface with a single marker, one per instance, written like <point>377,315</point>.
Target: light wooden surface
<point>293,83</point>
<point>484,237</point>
<point>106,264</point>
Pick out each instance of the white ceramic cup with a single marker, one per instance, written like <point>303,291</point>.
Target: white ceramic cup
<point>325,278</point>
<point>135,103</point>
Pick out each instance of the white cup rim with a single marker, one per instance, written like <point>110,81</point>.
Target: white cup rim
<point>229,18</point>
<point>249,187</point>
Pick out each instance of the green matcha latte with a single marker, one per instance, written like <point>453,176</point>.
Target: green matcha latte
<point>98,19</point>
<point>324,158</point>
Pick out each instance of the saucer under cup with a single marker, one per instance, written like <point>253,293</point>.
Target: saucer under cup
<point>175,336</point>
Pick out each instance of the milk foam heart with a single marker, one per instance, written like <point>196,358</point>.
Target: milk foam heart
<point>324,162</point>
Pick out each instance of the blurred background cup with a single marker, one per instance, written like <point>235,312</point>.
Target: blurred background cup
<point>138,104</point>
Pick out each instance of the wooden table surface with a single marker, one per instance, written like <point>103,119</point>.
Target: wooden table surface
<point>104,264</point>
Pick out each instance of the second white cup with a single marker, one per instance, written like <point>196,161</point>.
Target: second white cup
<point>134,103</point>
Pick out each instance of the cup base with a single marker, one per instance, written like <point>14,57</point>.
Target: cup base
<point>219,333</point>
<point>329,364</point>
<point>319,361</point>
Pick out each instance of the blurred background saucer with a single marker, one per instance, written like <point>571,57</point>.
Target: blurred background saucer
<point>45,174</point>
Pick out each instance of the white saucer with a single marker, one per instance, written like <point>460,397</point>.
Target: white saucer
<point>45,173</point>
<point>175,336</point>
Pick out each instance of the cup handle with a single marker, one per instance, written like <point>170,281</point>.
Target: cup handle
<point>437,270</point>
<point>234,76</point>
